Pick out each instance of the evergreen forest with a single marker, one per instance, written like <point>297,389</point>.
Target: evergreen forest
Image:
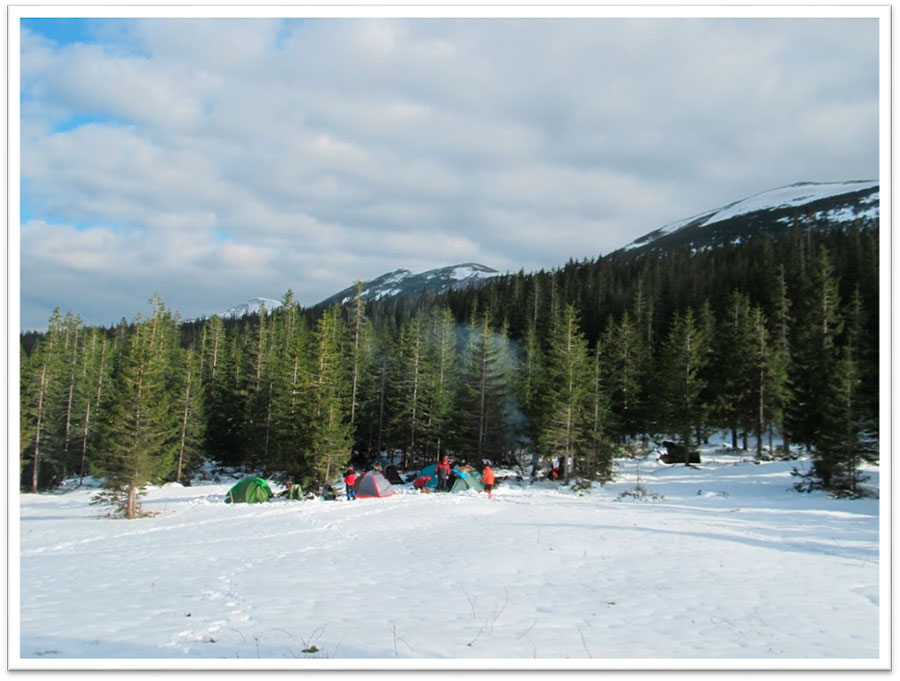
<point>773,340</point>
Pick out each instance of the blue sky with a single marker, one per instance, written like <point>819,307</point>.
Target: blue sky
<point>218,160</point>
<point>61,31</point>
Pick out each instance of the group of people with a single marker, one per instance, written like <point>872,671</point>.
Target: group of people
<point>442,470</point>
<point>443,475</point>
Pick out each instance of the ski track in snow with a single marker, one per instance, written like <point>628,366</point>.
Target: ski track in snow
<point>728,563</point>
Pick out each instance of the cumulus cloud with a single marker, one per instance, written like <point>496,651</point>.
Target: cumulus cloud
<point>214,160</point>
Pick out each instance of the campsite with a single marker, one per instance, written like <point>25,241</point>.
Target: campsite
<point>717,564</point>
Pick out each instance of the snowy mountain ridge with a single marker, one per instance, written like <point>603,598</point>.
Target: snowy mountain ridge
<point>821,205</point>
<point>252,306</point>
<point>403,282</point>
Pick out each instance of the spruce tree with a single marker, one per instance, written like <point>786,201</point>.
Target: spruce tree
<point>818,326</point>
<point>441,380</point>
<point>623,362</point>
<point>567,411</point>
<point>482,418</point>
<point>781,358</point>
<point>846,439</point>
<point>192,417</point>
<point>42,388</point>
<point>291,391</point>
<point>96,373</point>
<point>683,358</point>
<point>735,370</point>
<point>409,387</point>
<point>530,388</point>
<point>330,446</point>
<point>141,428</point>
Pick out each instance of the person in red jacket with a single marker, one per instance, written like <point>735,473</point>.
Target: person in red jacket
<point>443,473</point>
<point>421,483</point>
<point>349,482</point>
<point>487,478</point>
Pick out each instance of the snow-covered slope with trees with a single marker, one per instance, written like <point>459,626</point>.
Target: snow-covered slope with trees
<point>819,205</point>
<point>720,565</point>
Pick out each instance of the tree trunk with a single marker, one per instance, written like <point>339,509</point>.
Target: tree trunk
<point>36,464</point>
<point>131,506</point>
<point>184,422</point>
<point>87,423</point>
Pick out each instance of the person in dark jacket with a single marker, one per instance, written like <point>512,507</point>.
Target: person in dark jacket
<point>443,473</point>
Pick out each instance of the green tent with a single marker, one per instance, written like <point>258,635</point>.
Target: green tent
<point>295,492</point>
<point>466,478</point>
<point>249,491</point>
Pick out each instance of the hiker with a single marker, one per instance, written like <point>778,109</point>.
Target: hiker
<point>443,472</point>
<point>487,478</point>
<point>349,482</point>
<point>421,483</point>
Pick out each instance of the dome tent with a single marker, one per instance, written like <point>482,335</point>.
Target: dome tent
<point>373,484</point>
<point>249,491</point>
<point>461,479</point>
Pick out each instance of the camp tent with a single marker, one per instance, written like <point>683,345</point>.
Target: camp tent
<point>295,492</point>
<point>460,480</point>
<point>249,491</point>
<point>373,484</point>
<point>466,478</point>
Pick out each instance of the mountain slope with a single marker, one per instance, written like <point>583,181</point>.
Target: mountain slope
<point>819,205</point>
<point>251,306</point>
<point>402,282</point>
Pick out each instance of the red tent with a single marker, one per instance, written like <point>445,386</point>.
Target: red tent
<point>373,484</point>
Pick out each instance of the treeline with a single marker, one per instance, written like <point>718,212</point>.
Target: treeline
<point>767,338</point>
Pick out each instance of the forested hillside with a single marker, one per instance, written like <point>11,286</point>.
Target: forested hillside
<point>772,337</point>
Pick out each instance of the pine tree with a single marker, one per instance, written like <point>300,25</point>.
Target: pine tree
<point>139,442</point>
<point>330,438</point>
<point>441,380</point>
<point>410,380</point>
<point>357,328</point>
<point>258,415</point>
<point>482,422</point>
<point>530,389</point>
<point>818,325</point>
<point>683,358</point>
<point>567,421</point>
<point>290,399</point>
<point>768,383</point>
<point>845,441</point>
<point>41,389</point>
<point>599,460</point>
<point>96,374</point>
<point>735,368</point>
<point>72,342</point>
<point>623,363</point>
<point>781,358</point>
<point>192,418</point>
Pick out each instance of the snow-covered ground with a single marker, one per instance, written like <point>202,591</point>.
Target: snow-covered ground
<point>719,566</point>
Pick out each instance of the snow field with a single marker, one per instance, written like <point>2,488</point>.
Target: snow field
<point>729,564</point>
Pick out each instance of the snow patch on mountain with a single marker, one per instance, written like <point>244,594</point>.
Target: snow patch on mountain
<point>404,282</point>
<point>788,197</point>
<point>252,306</point>
<point>791,196</point>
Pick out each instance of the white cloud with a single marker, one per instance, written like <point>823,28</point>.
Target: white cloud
<point>243,157</point>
